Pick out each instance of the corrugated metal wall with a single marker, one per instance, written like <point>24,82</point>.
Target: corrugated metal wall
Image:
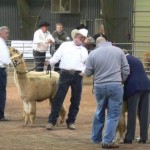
<point>9,15</point>
<point>117,19</point>
<point>141,27</point>
<point>89,9</point>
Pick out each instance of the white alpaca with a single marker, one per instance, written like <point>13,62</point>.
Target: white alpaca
<point>34,87</point>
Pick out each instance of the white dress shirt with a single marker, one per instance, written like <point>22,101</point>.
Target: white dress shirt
<point>71,57</point>
<point>39,40</point>
<point>4,54</point>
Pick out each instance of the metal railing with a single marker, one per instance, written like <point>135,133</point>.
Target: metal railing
<point>25,47</point>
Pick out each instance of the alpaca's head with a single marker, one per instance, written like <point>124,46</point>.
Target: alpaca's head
<point>13,51</point>
<point>18,63</point>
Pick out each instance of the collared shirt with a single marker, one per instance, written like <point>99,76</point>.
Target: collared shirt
<point>40,39</point>
<point>4,54</point>
<point>71,57</point>
<point>108,64</point>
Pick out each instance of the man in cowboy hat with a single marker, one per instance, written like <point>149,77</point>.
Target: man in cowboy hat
<point>41,43</point>
<point>72,56</point>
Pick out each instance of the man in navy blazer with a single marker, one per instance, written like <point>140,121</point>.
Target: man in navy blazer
<point>137,95</point>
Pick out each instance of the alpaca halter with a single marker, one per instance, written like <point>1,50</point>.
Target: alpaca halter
<point>16,63</point>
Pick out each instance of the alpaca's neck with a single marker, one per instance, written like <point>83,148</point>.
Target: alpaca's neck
<point>21,78</point>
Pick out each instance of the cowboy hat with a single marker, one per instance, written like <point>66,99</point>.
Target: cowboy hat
<point>82,26</point>
<point>83,32</point>
<point>44,24</point>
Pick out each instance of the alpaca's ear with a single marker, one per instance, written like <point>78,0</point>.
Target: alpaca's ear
<point>21,55</point>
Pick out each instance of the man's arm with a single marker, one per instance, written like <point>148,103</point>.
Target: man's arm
<point>51,37</point>
<point>57,55</point>
<point>57,40</point>
<point>4,54</point>
<point>89,66</point>
<point>84,58</point>
<point>125,70</point>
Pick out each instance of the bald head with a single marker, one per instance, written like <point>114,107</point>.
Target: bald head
<point>100,40</point>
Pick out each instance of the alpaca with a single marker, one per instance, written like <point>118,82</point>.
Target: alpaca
<point>13,51</point>
<point>34,88</point>
<point>121,128</point>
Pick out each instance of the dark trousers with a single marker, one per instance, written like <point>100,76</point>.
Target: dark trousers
<point>3,82</point>
<point>39,59</point>
<point>138,104</point>
<point>66,80</point>
<point>56,68</point>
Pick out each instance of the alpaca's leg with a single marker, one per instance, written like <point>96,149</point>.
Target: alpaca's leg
<point>26,112</point>
<point>122,128</point>
<point>63,114</point>
<point>32,112</point>
<point>122,124</point>
<point>23,113</point>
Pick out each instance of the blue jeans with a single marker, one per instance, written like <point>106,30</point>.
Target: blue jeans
<point>108,97</point>
<point>3,82</point>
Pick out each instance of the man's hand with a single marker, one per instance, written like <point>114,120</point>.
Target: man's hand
<point>81,74</point>
<point>49,41</point>
<point>47,62</point>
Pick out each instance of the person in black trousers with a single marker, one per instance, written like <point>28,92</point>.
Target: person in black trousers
<point>137,95</point>
<point>72,56</point>
<point>4,61</point>
<point>41,43</point>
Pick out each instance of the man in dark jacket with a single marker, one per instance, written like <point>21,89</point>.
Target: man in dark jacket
<point>137,95</point>
<point>60,36</point>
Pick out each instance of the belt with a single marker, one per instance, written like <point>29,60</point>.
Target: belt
<point>70,71</point>
<point>2,68</point>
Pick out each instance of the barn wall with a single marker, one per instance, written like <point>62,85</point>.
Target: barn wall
<point>89,9</point>
<point>9,16</point>
<point>117,15</point>
<point>141,26</point>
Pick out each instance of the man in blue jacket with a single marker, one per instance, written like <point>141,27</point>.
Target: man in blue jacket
<point>137,95</point>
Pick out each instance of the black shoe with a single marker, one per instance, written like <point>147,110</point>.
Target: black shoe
<point>4,119</point>
<point>142,141</point>
<point>109,146</point>
<point>127,141</point>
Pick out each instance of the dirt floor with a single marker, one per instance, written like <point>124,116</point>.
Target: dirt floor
<point>14,136</point>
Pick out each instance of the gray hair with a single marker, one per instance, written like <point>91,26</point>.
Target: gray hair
<point>2,28</point>
<point>125,51</point>
<point>100,40</point>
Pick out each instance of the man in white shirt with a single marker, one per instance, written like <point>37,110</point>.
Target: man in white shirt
<point>41,43</point>
<point>72,56</point>
<point>4,61</point>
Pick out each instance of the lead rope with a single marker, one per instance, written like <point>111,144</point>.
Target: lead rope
<point>48,70</point>
<point>15,65</point>
<point>93,88</point>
